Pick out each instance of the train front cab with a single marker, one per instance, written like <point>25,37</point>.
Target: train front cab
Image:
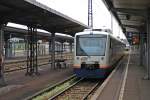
<point>92,66</point>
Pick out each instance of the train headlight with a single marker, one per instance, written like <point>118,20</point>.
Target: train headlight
<point>102,58</point>
<point>77,58</point>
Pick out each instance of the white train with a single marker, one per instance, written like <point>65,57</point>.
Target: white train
<point>96,51</point>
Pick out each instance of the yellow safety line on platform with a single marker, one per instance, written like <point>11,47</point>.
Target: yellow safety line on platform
<point>124,79</point>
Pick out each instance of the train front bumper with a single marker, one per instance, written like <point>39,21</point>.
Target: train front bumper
<point>95,73</point>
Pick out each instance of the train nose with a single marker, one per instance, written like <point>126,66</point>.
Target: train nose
<point>90,66</point>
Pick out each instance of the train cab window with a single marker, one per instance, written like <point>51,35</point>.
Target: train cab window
<point>91,45</point>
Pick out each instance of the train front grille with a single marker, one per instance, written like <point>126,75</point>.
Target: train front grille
<point>89,66</point>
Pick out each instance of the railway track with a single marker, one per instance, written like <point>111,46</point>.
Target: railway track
<point>71,89</point>
<point>55,89</point>
<point>80,91</point>
<point>21,64</point>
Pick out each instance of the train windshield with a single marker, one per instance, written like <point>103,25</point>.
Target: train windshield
<point>91,45</point>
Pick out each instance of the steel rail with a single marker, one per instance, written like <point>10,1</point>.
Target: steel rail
<point>52,98</point>
<point>21,64</point>
<point>51,88</point>
<point>72,91</point>
<point>91,91</point>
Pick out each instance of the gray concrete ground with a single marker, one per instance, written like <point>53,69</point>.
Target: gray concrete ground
<point>135,87</point>
<point>20,86</point>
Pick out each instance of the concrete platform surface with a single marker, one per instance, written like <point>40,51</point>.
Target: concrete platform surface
<point>135,88</point>
<point>20,86</point>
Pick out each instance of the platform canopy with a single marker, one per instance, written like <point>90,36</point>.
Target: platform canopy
<point>32,13</point>
<point>21,33</point>
<point>131,14</point>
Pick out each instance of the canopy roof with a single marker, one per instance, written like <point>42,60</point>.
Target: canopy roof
<point>132,14</point>
<point>34,14</point>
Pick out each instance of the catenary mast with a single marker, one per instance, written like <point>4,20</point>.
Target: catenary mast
<point>90,14</point>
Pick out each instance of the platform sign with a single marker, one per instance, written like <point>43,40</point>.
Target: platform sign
<point>130,34</point>
<point>135,40</point>
<point>129,37</point>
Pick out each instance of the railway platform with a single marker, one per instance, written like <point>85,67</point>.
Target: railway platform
<point>18,86</point>
<point>127,82</point>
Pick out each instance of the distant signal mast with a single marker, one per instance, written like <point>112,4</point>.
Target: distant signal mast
<point>90,14</point>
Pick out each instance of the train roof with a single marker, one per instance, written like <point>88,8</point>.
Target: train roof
<point>98,31</point>
<point>90,32</point>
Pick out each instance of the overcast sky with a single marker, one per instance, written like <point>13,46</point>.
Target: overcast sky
<point>78,10</point>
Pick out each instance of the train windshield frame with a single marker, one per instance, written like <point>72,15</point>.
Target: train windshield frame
<point>91,45</point>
